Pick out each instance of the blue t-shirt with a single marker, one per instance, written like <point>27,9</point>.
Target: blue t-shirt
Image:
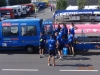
<point>72,30</point>
<point>61,33</point>
<point>41,39</point>
<point>57,30</point>
<point>65,30</point>
<point>51,43</point>
<point>65,41</point>
<point>59,39</point>
<point>70,38</point>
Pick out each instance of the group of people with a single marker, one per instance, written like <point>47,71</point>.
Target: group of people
<point>62,37</point>
<point>52,7</point>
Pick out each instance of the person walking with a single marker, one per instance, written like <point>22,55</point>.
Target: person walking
<point>52,45</point>
<point>55,36</point>
<point>59,45</point>
<point>51,8</point>
<point>72,29</point>
<point>71,43</point>
<point>42,41</point>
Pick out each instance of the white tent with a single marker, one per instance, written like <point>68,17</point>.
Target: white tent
<point>91,7</point>
<point>72,8</point>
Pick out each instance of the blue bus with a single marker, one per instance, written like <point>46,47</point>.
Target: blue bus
<point>21,34</point>
<point>77,15</point>
<point>41,5</point>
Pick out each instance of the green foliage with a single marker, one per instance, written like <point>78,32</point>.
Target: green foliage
<point>98,3</point>
<point>2,2</point>
<point>81,3</point>
<point>14,2</point>
<point>61,4</point>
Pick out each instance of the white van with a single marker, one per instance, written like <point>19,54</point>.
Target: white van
<point>23,9</point>
<point>16,10</point>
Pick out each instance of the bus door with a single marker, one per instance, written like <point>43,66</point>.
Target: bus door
<point>10,35</point>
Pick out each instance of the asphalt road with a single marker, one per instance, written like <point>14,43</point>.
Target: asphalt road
<point>28,64</point>
<point>44,14</point>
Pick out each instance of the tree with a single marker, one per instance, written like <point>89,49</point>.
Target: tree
<point>61,4</point>
<point>2,2</point>
<point>98,4</point>
<point>81,4</point>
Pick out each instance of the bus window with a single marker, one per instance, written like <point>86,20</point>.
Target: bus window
<point>47,29</point>
<point>14,11</point>
<point>18,10</point>
<point>5,12</point>
<point>29,31</point>
<point>10,31</point>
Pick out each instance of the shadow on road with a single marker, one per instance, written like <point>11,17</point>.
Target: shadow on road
<point>76,58</point>
<point>76,65</point>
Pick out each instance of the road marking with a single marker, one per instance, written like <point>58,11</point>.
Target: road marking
<point>20,70</point>
<point>79,70</point>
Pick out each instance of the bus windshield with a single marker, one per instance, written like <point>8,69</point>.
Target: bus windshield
<point>5,12</point>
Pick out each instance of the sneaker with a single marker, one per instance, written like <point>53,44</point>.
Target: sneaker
<point>60,58</point>
<point>54,65</point>
<point>49,65</point>
<point>73,54</point>
<point>55,57</point>
<point>40,56</point>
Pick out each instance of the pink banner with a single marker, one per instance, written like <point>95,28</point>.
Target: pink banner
<point>87,28</point>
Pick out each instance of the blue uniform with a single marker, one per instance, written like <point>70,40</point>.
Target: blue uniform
<point>70,39</point>
<point>52,46</point>
<point>51,43</point>
<point>57,30</point>
<point>59,39</point>
<point>72,30</point>
<point>61,33</point>
<point>42,41</point>
<point>65,31</point>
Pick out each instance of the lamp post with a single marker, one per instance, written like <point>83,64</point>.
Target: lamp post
<point>7,2</point>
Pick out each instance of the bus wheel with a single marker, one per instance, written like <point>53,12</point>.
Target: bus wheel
<point>30,49</point>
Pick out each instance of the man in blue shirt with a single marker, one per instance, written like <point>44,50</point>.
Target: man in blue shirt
<point>61,33</point>
<point>42,41</point>
<point>72,29</point>
<point>71,43</point>
<point>52,45</point>
<point>58,29</point>
<point>59,45</point>
<point>65,31</point>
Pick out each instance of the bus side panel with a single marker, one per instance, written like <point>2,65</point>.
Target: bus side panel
<point>27,40</point>
<point>0,34</point>
<point>11,42</point>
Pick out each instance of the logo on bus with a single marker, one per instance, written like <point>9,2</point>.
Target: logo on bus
<point>6,24</point>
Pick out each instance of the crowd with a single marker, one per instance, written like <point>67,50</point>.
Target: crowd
<point>62,37</point>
